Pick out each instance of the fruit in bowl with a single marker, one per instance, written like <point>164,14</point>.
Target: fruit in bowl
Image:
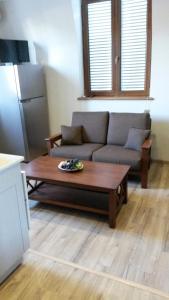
<point>71,165</point>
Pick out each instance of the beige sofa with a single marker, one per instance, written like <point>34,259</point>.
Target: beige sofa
<point>104,136</point>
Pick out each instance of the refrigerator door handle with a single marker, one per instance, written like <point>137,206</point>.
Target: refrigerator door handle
<point>28,100</point>
<point>25,100</point>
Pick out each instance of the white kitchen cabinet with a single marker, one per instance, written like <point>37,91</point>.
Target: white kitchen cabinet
<point>14,236</point>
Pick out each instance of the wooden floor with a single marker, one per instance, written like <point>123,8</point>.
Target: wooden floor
<point>136,251</point>
<point>43,278</point>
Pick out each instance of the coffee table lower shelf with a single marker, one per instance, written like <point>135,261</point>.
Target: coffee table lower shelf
<point>101,203</point>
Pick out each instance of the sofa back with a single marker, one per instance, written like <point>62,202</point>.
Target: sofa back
<point>120,123</point>
<point>95,125</point>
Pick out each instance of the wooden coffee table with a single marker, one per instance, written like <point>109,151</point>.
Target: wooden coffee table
<point>99,187</point>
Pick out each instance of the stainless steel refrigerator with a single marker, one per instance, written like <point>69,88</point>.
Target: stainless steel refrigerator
<point>23,110</point>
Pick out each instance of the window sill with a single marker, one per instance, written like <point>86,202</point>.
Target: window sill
<point>116,98</point>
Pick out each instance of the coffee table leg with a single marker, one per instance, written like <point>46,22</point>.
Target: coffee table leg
<point>112,209</point>
<point>33,185</point>
<point>125,190</point>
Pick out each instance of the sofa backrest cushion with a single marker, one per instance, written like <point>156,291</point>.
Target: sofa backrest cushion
<point>95,125</point>
<point>120,123</point>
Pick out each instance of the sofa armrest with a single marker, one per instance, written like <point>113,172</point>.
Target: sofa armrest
<point>147,144</point>
<point>146,149</point>
<point>145,161</point>
<point>51,141</point>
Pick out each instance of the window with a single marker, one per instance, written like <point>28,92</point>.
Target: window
<point>116,47</point>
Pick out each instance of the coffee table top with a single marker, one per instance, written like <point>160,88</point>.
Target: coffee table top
<point>95,175</point>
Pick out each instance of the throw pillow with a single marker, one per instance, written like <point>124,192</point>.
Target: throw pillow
<point>136,138</point>
<point>71,135</point>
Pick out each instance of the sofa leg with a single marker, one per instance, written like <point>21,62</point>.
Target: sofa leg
<point>144,180</point>
<point>144,174</point>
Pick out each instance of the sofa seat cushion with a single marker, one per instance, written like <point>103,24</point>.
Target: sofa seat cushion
<point>118,155</point>
<point>83,152</point>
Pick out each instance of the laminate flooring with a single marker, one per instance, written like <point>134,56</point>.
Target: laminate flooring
<point>137,250</point>
<point>44,278</point>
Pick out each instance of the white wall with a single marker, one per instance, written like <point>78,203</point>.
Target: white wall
<point>54,28</point>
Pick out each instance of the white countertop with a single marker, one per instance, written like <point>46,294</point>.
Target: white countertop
<point>7,160</point>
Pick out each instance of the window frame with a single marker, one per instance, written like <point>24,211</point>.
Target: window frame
<point>116,53</point>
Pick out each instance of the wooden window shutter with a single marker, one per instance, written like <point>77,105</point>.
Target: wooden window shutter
<point>116,47</point>
<point>133,45</point>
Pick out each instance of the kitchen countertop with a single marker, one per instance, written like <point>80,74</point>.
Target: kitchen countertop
<point>7,160</point>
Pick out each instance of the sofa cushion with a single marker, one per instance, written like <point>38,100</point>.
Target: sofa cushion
<point>136,138</point>
<point>94,124</point>
<point>118,155</point>
<point>120,123</point>
<point>71,135</point>
<point>83,152</point>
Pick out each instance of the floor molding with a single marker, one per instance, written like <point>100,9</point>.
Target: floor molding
<point>101,274</point>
